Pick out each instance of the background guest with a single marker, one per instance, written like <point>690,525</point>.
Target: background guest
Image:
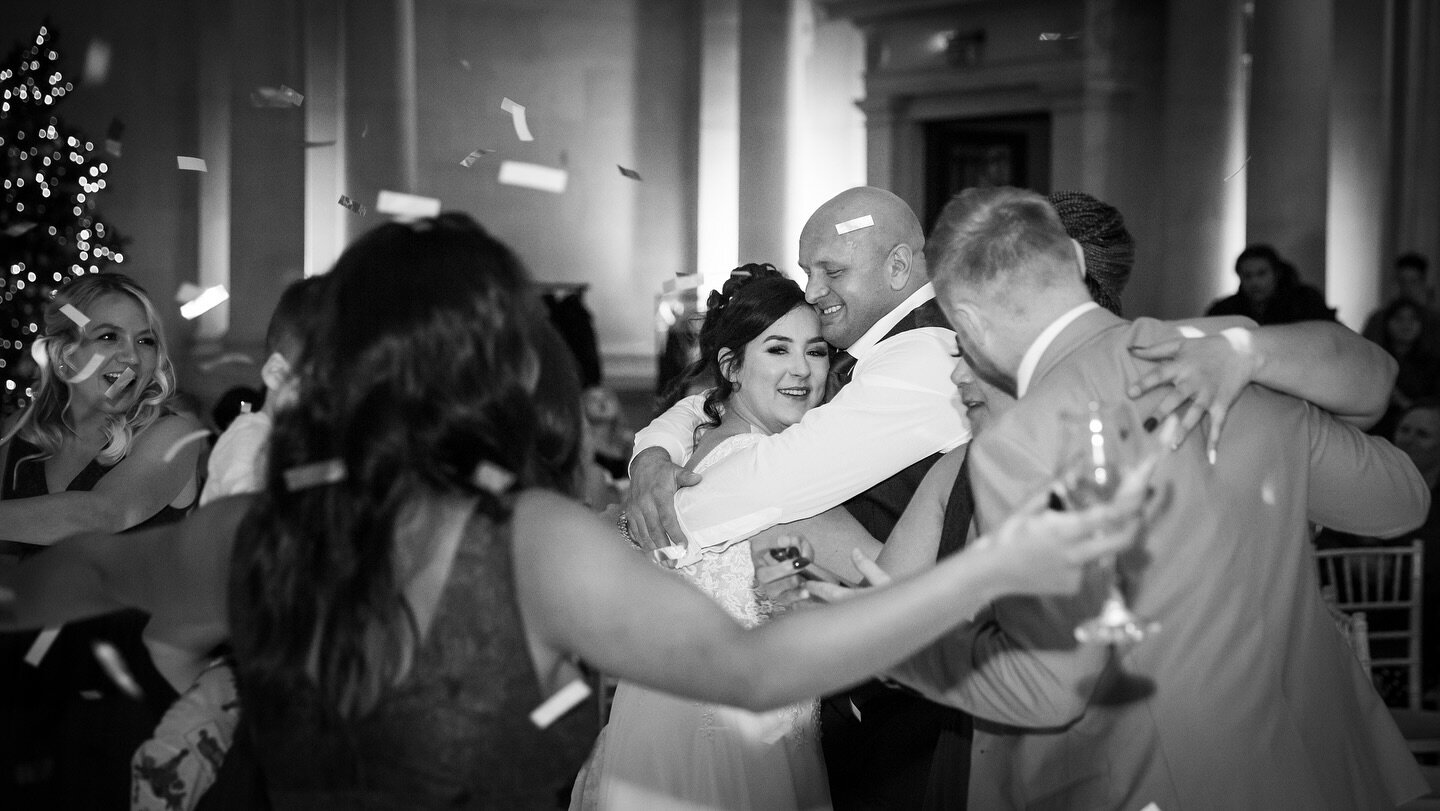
<point>1412,283</point>
<point>1404,337</point>
<point>1271,291</point>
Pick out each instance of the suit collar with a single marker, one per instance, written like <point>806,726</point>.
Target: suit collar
<point>880,329</point>
<point>1030,361</point>
<point>1072,337</point>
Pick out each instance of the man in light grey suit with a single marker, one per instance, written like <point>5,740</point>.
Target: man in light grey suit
<point>1251,698</point>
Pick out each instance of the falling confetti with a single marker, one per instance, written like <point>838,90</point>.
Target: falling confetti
<point>191,164</point>
<point>517,116</point>
<point>630,173</point>
<point>73,313</point>
<point>41,646</point>
<point>188,291</point>
<point>1238,171</point>
<point>281,96</point>
<point>533,176</point>
<point>407,206</point>
<point>358,208</point>
<point>854,225</point>
<point>564,700</point>
<point>231,357</point>
<point>331,471</point>
<point>115,668</point>
<point>18,228</point>
<point>689,281</point>
<point>492,478</point>
<point>205,302</point>
<point>470,159</point>
<point>91,367</point>
<point>97,62</point>
<point>173,450</point>
<point>113,135</point>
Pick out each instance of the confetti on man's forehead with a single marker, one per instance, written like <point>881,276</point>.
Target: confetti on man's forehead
<point>854,225</point>
<point>190,164</point>
<point>533,176</point>
<point>407,206</point>
<point>517,116</point>
<point>73,313</point>
<point>303,477</point>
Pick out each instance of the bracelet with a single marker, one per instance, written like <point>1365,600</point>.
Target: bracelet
<point>623,524</point>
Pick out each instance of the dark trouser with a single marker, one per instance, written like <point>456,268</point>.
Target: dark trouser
<point>884,760</point>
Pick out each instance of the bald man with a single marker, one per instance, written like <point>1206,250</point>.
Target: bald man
<point>868,449</point>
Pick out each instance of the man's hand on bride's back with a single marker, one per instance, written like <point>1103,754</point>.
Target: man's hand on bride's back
<point>650,502</point>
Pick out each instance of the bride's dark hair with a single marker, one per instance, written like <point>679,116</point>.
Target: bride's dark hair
<point>754,297</point>
<point>418,368</point>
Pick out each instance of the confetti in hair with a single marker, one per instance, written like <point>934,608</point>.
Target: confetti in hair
<point>316,474</point>
<point>492,478</point>
<point>115,667</point>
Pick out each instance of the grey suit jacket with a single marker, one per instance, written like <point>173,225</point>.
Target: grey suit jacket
<point>1255,699</point>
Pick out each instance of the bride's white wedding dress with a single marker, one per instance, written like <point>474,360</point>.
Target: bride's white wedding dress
<point>659,751</point>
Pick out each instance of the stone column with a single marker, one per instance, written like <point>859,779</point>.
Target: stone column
<point>1290,131</point>
<point>765,42</point>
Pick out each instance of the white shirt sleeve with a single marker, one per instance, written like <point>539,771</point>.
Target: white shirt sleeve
<point>237,464</point>
<point>899,408</point>
<point>674,430</point>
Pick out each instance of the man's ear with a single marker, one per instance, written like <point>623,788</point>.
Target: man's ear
<point>899,265</point>
<point>275,372</point>
<point>726,360</point>
<point>1079,258</point>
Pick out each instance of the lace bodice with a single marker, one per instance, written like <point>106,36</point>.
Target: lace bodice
<point>727,574</point>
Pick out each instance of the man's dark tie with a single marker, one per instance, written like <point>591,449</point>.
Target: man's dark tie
<point>841,367</point>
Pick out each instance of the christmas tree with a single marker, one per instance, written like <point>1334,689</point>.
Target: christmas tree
<point>49,232</point>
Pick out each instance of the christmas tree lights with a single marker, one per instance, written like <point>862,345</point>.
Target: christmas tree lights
<point>49,231</point>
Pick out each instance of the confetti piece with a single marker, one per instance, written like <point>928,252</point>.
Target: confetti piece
<point>564,700</point>
<point>365,129</point>
<point>73,313</point>
<point>97,62</point>
<point>18,228</point>
<point>854,225</point>
<point>126,378</point>
<point>281,96</point>
<point>533,176</point>
<point>465,63</point>
<point>358,208</point>
<point>41,646</point>
<point>187,292</point>
<point>1049,37</point>
<point>517,115</point>
<point>630,173</point>
<point>173,450</point>
<point>115,668</point>
<point>330,471</point>
<point>689,281</point>
<point>318,144</point>
<point>1187,331</point>
<point>232,357</point>
<point>205,302</point>
<point>245,407</point>
<point>191,164</point>
<point>492,478</point>
<point>1151,807</point>
<point>112,146</point>
<point>1238,171</point>
<point>91,367</point>
<point>90,695</point>
<point>407,206</point>
<point>475,156</point>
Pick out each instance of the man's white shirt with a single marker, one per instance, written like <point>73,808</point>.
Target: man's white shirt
<point>899,408</point>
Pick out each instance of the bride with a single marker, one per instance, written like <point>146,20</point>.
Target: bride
<point>761,344</point>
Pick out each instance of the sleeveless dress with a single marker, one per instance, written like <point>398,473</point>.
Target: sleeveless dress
<point>454,733</point>
<point>67,729</point>
<point>660,751</point>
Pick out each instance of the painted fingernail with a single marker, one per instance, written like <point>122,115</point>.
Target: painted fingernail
<point>1150,424</point>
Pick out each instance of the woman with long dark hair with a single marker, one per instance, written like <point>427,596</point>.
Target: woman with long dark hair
<point>414,580</point>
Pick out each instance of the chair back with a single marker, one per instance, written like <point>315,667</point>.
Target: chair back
<point>1383,582</point>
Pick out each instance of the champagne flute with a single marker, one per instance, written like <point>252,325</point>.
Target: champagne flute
<point>1102,444</point>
